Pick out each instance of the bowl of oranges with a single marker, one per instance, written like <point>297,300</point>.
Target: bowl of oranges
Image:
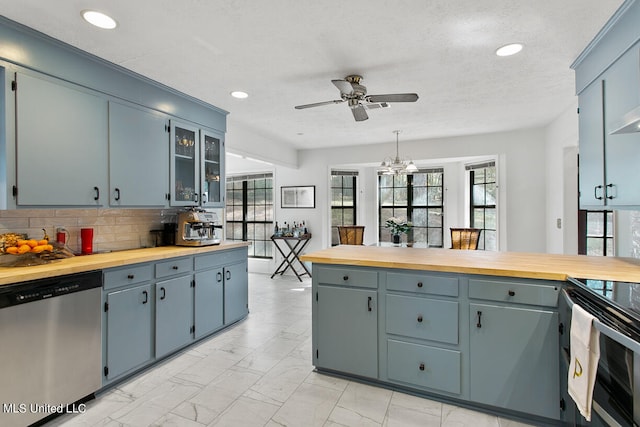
<point>21,250</point>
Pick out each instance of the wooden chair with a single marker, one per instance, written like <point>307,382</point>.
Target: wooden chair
<point>465,238</point>
<point>351,234</point>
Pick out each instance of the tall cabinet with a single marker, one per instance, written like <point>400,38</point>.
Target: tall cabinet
<point>197,169</point>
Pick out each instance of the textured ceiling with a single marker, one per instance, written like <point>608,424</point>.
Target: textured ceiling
<point>285,53</point>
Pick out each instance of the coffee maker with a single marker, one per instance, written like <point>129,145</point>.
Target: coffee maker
<point>197,227</point>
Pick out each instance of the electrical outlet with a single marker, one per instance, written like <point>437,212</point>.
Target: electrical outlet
<point>559,223</point>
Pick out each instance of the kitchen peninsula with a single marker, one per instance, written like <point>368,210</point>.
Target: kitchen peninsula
<point>474,328</point>
<point>82,324</point>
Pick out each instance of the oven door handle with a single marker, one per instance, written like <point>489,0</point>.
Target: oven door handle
<point>606,330</point>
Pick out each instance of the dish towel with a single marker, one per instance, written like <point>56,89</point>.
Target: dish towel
<point>585,353</point>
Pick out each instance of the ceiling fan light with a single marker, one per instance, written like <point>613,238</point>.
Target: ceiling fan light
<point>411,168</point>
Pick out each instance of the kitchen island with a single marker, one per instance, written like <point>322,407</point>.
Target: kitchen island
<point>474,328</point>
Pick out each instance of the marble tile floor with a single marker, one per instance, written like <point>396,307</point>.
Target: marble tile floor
<point>259,373</point>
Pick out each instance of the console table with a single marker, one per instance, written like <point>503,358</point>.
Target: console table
<point>290,249</point>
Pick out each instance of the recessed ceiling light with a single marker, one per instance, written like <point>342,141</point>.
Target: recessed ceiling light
<point>99,19</point>
<point>239,94</point>
<point>509,49</point>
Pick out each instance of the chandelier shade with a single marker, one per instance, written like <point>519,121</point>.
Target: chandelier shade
<point>397,166</point>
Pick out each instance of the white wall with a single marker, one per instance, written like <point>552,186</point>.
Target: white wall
<point>562,182</point>
<point>522,182</point>
<point>535,179</point>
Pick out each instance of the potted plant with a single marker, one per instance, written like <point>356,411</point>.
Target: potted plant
<point>397,226</point>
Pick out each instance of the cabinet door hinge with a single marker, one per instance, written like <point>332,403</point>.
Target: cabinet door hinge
<point>106,371</point>
<point>561,328</point>
<point>192,329</point>
<point>167,128</point>
<point>106,307</point>
<point>316,296</point>
<point>193,283</point>
<point>168,196</point>
<point>14,85</point>
<point>563,405</point>
<point>317,353</point>
<point>578,110</point>
<point>14,191</point>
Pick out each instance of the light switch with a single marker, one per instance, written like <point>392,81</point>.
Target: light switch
<point>559,223</point>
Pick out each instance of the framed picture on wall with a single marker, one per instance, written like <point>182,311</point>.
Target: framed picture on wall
<point>303,196</point>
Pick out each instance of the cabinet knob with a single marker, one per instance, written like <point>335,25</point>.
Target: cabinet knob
<point>130,276</point>
<point>511,293</point>
<point>419,284</point>
<point>345,277</point>
<point>175,267</point>
<point>420,318</point>
<point>421,367</point>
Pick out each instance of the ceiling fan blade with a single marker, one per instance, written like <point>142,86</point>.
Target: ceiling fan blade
<point>343,86</point>
<point>359,113</point>
<point>318,104</point>
<point>393,97</point>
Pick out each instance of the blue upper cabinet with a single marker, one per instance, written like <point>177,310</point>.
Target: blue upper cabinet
<point>61,144</point>
<point>608,86</point>
<point>91,133</point>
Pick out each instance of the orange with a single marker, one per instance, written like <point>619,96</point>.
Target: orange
<point>24,249</point>
<point>32,243</point>
<point>49,248</point>
<point>21,242</point>
<point>43,242</point>
<point>38,249</point>
<point>11,250</point>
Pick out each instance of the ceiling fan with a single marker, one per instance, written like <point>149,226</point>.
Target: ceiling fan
<point>355,95</point>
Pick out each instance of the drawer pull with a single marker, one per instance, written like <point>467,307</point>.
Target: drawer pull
<point>421,367</point>
<point>345,277</point>
<point>175,267</point>
<point>130,276</point>
<point>420,318</point>
<point>479,324</point>
<point>512,293</point>
<point>419,284</point>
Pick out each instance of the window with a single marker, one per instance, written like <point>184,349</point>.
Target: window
<point>343,201</point>
<point>417,198</point>
<point>250,212</point>
<point>483,213</point>
<point>595,231</point>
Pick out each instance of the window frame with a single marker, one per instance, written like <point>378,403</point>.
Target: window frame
<point>482,242</point>
<point>411,207</point>
<point>246,204</point>
<point>335,240</point>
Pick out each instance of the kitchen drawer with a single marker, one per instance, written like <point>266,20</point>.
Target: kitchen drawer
<point>514,292</point>
<point>347,276</point>
<point>422,318</point>
<point>129,275</point>
<point>423,283</point>
<point>220,258</point>
<point>174,266</point>
<point>424,366</point>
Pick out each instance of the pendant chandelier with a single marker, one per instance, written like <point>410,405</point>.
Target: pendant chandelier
<point>395,166</point>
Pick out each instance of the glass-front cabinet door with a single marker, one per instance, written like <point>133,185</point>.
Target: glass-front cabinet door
<point>185,158</point>
<point>212,169</point>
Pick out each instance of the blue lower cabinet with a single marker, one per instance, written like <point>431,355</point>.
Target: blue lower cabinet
<point>514,358</point>
<point>209,300</point>
<point>236,292</point>
<point>424,366</point>
<point>129,327</point>
<point>174,314</point>
<point>347,340</point>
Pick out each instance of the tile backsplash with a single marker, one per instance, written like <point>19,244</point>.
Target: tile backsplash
<point>114,229</point>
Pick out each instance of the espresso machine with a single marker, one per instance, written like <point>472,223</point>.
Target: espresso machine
<point>197,227</point>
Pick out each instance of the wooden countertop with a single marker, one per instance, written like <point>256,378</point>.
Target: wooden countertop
<point>511,264</point>
<point>79,264</point>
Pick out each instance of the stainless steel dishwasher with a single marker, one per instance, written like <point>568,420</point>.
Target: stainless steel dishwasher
<point>50,346</point>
